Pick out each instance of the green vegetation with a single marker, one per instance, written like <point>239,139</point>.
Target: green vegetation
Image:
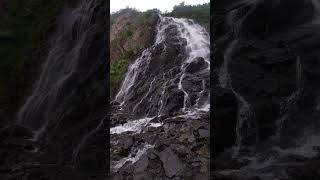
<point>147,17</point>
<point>199,13</point>
<point>139,22</point>
<point>118,68</point>
<point>123,35</point>
<point>121,152</point>
<point>23,25</point>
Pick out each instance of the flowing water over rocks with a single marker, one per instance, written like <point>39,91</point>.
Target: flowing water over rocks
<point>266,72</point>
<point>160,116</point>
<point>60,130</point>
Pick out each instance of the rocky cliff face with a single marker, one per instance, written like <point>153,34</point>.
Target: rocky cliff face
<point>59,132</point>
<point>131,32</point>
<point>160,116</point>
<point>266,68</point>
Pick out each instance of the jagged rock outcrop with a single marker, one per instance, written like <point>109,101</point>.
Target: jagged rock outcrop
<point>265,76</point>
<point>167,148</point>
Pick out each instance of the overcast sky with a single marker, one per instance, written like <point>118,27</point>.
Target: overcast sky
<point>142,5</point>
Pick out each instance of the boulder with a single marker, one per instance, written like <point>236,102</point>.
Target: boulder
<point>126,142</point>
<point>196,64</point>
<point>141,164</point>
<point>204,133</point>
<point>171,163</point>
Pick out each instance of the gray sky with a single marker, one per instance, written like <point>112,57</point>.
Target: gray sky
<point>142,5</point>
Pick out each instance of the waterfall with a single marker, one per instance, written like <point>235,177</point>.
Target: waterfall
<point>244,127</point>
<point>60,76</point>
<point>132,74</point>
<point>173,75</point>
<point>63,116</point>
<point>197,45</point>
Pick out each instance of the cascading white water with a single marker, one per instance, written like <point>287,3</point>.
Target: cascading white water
<point>245,113</point>
<point>146,95</point>
<point>132,126</point>
<point>197,45</point>
<point>131,76</point>
<point>57,73</point>
<point>132,158</point>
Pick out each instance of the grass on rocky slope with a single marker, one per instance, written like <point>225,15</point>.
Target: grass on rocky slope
<point>118,66</point>
<point>22,26</point>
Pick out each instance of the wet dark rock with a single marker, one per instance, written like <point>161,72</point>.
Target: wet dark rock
<point>174,119</point>
<point>176,149</point>
<point>16,131</point>
<point>283,15</point>
<point>226,116</point>
<point>114,103</point>
<point>196,65</point>
<point>171,163</point>
<point>266,113</point>
<point>142,176</point>
<point>201,177</point>
<point>142,164</point>
<point>204,133</point>
<point>273,87</point>
<point>174,101</point>
<point>152,155</point>
<point>127,142</point>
